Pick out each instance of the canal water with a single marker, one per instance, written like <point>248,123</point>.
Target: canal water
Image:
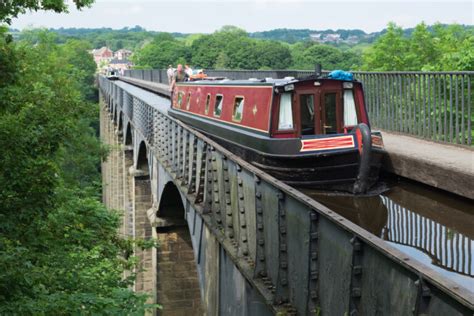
<point>432,226</point>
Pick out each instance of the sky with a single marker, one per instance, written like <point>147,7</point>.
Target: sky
<point>206,16</point>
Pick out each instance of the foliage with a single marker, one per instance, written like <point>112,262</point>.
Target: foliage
<point>228,48</point>
<point>59,249</point>
<point>438,48</point>
<point>10,9</point>
<point>161,52</point>
<point>306,55</point>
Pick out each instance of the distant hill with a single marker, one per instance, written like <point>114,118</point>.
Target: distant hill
<point>324,36</point>
<point>340,36</point>
<point>135,37</point>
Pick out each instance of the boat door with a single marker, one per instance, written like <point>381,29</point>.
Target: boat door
<point>309,115</point>
<point>331,112</point>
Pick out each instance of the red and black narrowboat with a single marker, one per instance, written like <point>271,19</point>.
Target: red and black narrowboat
<point>309,132</point>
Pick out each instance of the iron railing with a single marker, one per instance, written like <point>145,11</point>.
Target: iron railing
<point>438,106</point>
<point>298,253</point>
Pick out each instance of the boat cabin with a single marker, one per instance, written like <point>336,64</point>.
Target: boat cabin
<point>280,108</point>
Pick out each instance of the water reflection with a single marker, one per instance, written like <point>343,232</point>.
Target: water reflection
<point>435,227</point>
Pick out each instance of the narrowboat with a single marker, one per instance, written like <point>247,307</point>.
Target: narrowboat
<point>311,132</point>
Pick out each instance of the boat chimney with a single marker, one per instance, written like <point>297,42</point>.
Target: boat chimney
<point>317,70</point>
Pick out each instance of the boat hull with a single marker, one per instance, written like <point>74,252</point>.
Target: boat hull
<point>337,169</point>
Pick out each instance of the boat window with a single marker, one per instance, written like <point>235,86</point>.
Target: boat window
<point>330,118</point>
<point>188,101</point>
<point>218,105</point>
<point>307,114</point>
<point>350,114</point>
<point>238,109</point>
<point>208,101</point>
<point>285,117</point>
<point>180,99</point>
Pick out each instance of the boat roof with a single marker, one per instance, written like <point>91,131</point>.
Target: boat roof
<point>254,81</point>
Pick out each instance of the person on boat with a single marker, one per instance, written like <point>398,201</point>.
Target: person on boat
<point>179,76</point>
<point>188,70</point>
<point>170,73</point>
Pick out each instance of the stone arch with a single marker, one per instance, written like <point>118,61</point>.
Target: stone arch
<point>128,135</point>
<point>176,266</point>
<point>171,205</point>
<point>115,118</point>
<point>142,158</point>
<point>120,122</point>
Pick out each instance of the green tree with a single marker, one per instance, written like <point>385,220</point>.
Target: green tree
<point>307,55</point>
<point>11,9</point>
<point>273,55</point>
<point>422,51</point>
<point>455,46</point>
<point>161,52</point>
<point>438,48</point>
<point>388,52</point>
<point>205,51</point>
<point>82,65</point>
<point>59,249</point>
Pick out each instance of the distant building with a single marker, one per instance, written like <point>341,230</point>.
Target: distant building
<point>315,37</point>
<point>102,54</point>
<point>122,54</point>
<point>120,64</point>
<point>334,38</point>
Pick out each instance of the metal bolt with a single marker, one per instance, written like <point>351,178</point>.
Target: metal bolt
<point>357,246</point>
<point>356,292</point>
<point>357,270</point>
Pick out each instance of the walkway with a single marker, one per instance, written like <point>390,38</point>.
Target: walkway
<point>447,167</point>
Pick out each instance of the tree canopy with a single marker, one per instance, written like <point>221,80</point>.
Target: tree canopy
<point>228,48</point>
<point>10,9</point>
<point>59,249</point>
<point>442,48</point>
